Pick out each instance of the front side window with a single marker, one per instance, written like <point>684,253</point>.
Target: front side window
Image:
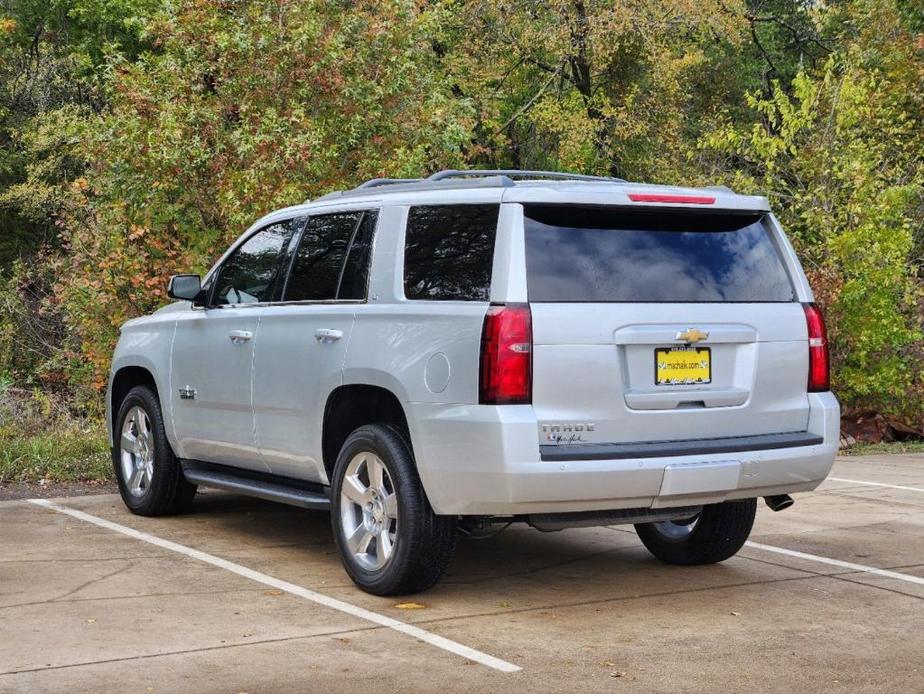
<point>319,259</point>
<point>249,274</point>
<point>449,252</point>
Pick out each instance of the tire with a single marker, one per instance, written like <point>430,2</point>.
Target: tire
<point>390,540</point>
<point>150,479</point>
<point>716,534</point>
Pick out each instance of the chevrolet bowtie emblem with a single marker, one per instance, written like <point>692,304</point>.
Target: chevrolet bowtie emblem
<point>691,335</point>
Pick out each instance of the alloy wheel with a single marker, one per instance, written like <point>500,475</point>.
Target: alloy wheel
<point>369,511</point>
<point>137,451</point>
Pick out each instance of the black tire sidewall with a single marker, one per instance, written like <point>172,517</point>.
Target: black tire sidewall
<point>722,529</point>
<point>413,510</point>
<point>162,490</point>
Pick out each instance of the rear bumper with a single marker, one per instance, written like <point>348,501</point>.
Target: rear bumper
<point>478,460</point>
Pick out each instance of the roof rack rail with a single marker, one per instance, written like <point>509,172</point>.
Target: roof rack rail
<point>517,173</point>
<point>450,178</point>
<point>376,182</point>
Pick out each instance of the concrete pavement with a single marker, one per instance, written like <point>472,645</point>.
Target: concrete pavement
<point>84,607</point>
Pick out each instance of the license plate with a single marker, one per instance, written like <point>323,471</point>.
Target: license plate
<point>682,365</point>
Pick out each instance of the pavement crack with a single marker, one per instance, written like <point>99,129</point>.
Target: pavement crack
<point>139,596</point>
<point>621,598</point>
<point>204,649</point>
<point>844,575</point>
<point>89,583</point>
<point>534,570</point>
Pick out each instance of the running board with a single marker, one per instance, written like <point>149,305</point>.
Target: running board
<point>281,490</point>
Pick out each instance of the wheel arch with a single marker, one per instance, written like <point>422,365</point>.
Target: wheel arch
<point>124,379</point>
<point>353,405</point>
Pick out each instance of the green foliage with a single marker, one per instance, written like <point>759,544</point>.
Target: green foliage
<point>841,159</point>
<point>244,107</point>
<point>41,438</point>
<point>53,54</point>
<point>599,87</point>
<point>139,137</point>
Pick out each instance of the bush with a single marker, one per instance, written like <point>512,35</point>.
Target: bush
<point>841,160</point>
<point>41,437</point>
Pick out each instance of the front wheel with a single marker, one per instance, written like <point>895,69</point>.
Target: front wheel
<point>390,540</point>
<point>150,479</point>
<point>713,535</point>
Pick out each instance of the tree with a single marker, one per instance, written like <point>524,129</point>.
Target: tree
<point>600,86</point>
<point>52,56</point>
<point>244,107</point>
<point>843,162</point>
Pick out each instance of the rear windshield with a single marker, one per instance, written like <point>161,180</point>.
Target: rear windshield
<point>588,254</point>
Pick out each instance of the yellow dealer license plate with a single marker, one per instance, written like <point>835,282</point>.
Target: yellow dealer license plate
<point>682,365</point>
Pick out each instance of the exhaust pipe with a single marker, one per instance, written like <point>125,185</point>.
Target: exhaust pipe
<point>779,502</point>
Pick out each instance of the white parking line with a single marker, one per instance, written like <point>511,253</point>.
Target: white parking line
<point>885,573</point>
<point>877,484</point>
<point>291,588</point>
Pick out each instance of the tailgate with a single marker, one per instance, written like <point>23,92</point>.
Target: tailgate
<point>661,326</point>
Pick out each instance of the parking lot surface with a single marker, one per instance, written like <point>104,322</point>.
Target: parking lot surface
<point>246,596</point>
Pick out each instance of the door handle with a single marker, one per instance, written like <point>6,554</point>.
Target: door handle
<point>327,335</point>
<point>239,337</point>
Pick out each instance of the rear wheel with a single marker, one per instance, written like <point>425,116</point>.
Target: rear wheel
<point>150,479</point>
<point>390,540</point>
<point>713,535</point>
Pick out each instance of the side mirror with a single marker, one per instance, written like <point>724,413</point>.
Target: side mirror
<point>185,287</point>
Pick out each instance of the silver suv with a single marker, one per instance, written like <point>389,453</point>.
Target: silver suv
<point>425,357</point>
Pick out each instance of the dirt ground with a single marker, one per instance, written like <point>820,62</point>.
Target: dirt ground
<point>50,490</point>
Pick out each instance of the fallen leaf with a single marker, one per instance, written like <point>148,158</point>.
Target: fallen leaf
<point>410,606</point>
<point>272,591</point>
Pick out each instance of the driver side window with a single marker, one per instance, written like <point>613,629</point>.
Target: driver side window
<point>249,274</point>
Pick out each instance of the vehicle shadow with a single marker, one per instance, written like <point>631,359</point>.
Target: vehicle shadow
<point>518,557</point>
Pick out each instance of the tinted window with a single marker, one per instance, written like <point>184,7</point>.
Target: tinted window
<point>356,269</point>
<point>249,274</point>
<point>449,251</point>
<point>319,257</point>
<point>597,255</point>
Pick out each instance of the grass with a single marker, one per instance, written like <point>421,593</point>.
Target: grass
<point>41,438</point>
<point>884,448</point>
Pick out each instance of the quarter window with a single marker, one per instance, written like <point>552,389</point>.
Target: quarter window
<point>249,274</point>
<point>449,252</point>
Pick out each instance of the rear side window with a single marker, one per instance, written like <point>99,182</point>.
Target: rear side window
<point>584,254</point>
<point>319,257</point>
<point>355,277</point>
<point>449,252</point>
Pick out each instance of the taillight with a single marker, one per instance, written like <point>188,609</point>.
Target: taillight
<point>819,375</point>
<point>506,372</point>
